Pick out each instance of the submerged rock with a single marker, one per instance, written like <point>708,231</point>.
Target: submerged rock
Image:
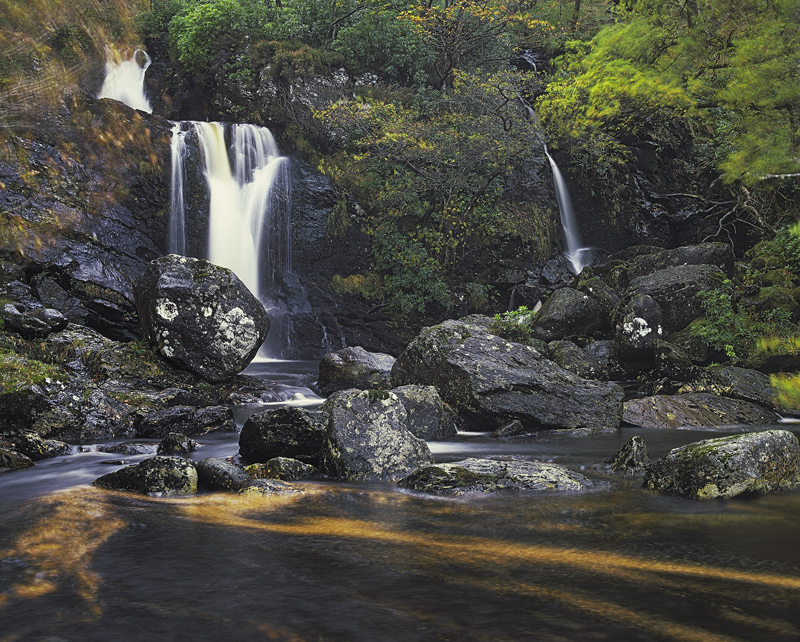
<point>283,468</point>
<point>427,416</point>
<point>367,438</point>
<point>155,476</point>
<point>201,316</point>
<point>283,432</point>
<point>631,458</point>
<point>694,410</point>
<point>492,475</point>
<point>354,368</point>
<point>491,381</point>
<point>271,487</point>
<point>753,463</point>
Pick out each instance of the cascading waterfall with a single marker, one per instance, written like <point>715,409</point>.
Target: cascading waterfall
<point>577,255</point>
<point>125,79</point>
<point>249,224</point>
<point>177,222</point>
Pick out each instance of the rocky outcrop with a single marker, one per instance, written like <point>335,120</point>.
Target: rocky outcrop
<point>718,254</point>
<point>201,317</point>
<point>753,463</point>
<point>155,476</point>
<point>567,313</point>
<point>283,432</point>
<point>492,475</point>
<point>491,381</point>
<point>694,410</point>
<point>631,458</point>
<point>354,368</point>
<point>367,438</point>
<point>427,416</point>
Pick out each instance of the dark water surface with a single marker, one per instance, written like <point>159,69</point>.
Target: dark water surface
<point>371,562</point>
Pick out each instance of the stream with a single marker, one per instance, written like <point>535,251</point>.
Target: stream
<point>366,562</point>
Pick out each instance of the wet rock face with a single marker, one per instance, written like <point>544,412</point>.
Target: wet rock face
<point>367,438</point>
<point>427,416</point>
<point>158,475</point>
<point>33,446</point>
<point>283,432</point>
<point>491,381</point>
<point>491,476</point>
<point>694,410</point>
<point>567,312</point>
<point>13,460</point>
<point>201,317</point>
<point>354,368</point>
<point>753,463</point>
<point>217,474</point>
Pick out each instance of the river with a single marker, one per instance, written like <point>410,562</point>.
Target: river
<point>356,562</point>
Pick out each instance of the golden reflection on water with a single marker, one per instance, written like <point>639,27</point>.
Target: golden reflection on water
<point>67,529</point>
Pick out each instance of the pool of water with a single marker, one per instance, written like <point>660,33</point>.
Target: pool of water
<point>348,562</point>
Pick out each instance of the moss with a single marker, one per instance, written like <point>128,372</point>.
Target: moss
<point>377,395</point>
<point>20,373</point>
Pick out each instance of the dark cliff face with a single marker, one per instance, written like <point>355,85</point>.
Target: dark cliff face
<point>86,205</point>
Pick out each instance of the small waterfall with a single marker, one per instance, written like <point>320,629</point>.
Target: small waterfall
<point>578,256</point>
<point>125,79</point>
<point>177,221</point>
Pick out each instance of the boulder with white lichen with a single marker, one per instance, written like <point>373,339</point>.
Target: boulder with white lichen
<point>200,316</point>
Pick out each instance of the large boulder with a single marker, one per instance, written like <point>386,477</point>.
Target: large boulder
<point>155,476</point>
<point>752,463</point>
<point>214,473</point>
<point>367,438</point>
<point>572,357</point>
<point>354,368</point>
<point>292,432</point>
<point>640,326</point>
<point>491,381</point>
<point>201,317</point>
<point>675,289</point>
<point>34,446</point>
<point>566,313</point>
<point>736,382</point>
<point>13,460</point>
<point>694,410</point>
<point>718,254</point>
<point>492,475</point>
<point>428,417</point>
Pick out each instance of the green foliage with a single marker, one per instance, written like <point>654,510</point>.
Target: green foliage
<point>412,278</point>
<point>20,372</point>
<point>514,325</point>
<point>369,285</point>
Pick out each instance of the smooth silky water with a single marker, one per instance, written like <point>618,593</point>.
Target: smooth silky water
<point>359,562</point>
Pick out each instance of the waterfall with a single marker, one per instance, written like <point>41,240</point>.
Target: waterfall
<point>125,79</point>
<point>177,222</point>
<point>249,224</point>
<point>578,256</point>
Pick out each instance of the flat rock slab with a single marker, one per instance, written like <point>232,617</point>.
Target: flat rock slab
<point>492,476</point>
<point>694,410</point>
<point>753,463</point>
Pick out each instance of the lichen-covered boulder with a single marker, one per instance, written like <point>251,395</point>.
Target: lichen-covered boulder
<point>427,416</point>
<point>155,476</point>
<point>694,410</point>
<point>751,463</point>
<point>354,368</point>
<point>177,444</point>
<point>34,446</point>
<point>491,381</point>
<point>631,458</point>
<point>180,419</point>
<point>214,473</point>
<point>201,316</point>
<point>736,382</point>
<point>283,432</point>
<point>284,468</point>
<point>367,438</point>
<point>567,312</point>
<point>675,290</point>
<point>492,475</point>
<point>640,326</point>
<point>13,460</point>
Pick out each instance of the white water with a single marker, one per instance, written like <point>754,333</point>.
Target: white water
<point>577,255</point>
<point>125,79</point>
<point>249,225</point>
<point>177,223</point>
